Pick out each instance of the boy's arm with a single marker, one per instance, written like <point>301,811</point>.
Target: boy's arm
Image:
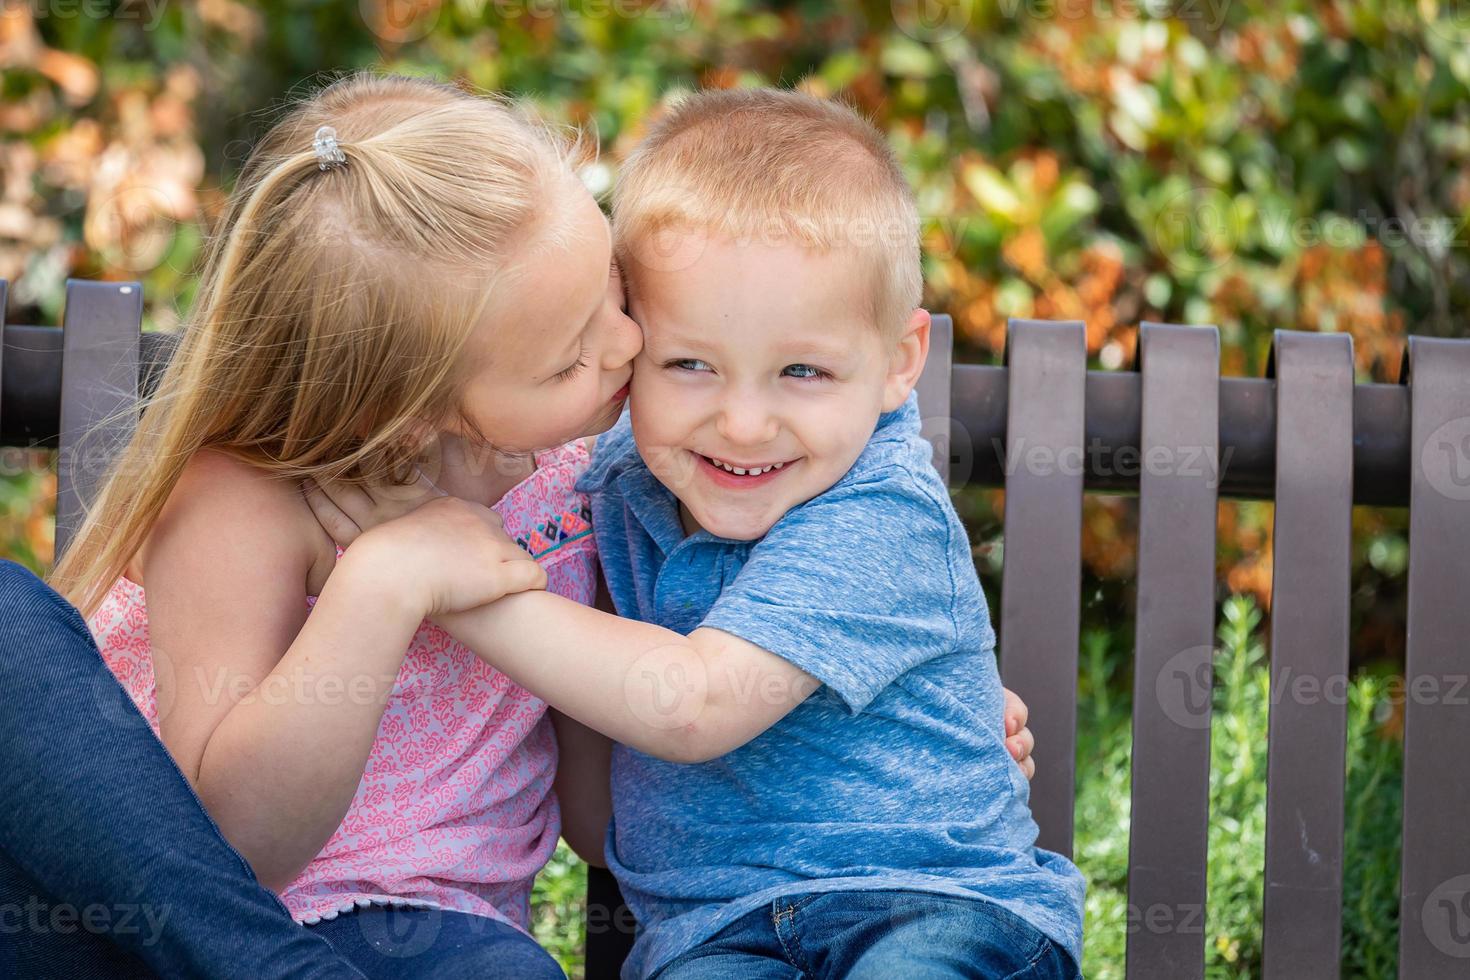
<point>682,699</point>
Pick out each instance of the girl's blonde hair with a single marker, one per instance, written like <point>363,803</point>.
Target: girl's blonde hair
<point>334,307</point>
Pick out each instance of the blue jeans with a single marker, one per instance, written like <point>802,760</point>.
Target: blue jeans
<point>386,944</point>
<point>875,935</point>
<point>110,866</point>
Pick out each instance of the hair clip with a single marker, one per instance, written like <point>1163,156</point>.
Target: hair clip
<point>328,153</point>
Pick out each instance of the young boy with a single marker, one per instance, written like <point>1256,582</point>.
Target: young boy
<point>812,777</point>
<point>770,482</point>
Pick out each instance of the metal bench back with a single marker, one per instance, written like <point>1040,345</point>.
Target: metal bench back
<point>1179,435</point>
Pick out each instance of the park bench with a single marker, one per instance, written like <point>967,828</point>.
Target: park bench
<point>1178,435</point>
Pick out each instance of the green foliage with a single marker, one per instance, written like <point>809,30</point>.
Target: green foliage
<point>558,902</point>
<point>1237,831</point>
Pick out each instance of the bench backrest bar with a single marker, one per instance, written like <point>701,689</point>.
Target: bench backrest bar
<point>1179,435</point>
<point>1174,640</point>
<point>1041,588</point>
<point>1306,744</point>
<point>1434,910</point>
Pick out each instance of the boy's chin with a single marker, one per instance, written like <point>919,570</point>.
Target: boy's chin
<point>734,527</point>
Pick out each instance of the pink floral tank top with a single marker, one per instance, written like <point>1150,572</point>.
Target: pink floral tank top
<point>455,808</point>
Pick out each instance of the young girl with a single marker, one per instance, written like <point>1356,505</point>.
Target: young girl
<point>404,267</point>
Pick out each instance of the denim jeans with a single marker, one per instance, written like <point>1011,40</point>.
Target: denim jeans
<point>389,944</point>
<point>109,864</point>
<point>875,935</point>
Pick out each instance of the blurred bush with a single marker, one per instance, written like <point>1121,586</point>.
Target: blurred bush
<point>1250,164</point>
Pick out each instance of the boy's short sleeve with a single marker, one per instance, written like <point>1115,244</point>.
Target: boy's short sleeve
<point>855,586</point>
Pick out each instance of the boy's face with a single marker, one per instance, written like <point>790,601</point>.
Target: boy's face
<point>763,358</point>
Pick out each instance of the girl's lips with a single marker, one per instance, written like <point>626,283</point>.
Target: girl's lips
<point>724,478</point>
<point>622,393</point>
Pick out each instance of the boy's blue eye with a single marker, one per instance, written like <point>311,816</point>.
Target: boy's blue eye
<point>804,371</point>
<point>688,364</point>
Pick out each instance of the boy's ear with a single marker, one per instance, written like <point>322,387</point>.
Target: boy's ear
<point>907,361</point>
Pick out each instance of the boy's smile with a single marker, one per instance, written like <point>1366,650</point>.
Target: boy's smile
<point>761,379</point>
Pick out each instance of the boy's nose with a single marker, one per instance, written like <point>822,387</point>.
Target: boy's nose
<point>746,422</point>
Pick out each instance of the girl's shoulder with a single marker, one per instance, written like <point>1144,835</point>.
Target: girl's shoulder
<point>219,498</point>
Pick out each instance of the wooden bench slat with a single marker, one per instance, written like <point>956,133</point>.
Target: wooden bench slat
<point>4,300</point>
<point>1434,912</point>
<point>1311,585</point>
<point>1174,644</point>
<point>934,394</point>
<point>1042,573</point>
<point>100,338</point>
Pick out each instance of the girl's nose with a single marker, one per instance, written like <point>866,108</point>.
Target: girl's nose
<point>625,344</point>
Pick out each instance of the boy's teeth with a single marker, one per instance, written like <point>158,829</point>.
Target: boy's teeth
<point>740,471</point>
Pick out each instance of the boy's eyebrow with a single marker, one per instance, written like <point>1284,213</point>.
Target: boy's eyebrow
<point>814,348</point>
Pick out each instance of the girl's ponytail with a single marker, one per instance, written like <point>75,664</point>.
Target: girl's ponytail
<point>335,303</point>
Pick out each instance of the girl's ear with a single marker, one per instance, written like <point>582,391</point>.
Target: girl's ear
<point>906,362</point>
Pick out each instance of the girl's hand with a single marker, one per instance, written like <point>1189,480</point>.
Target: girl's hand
<point>1018,737</point>
<point>345,511</point>
<point>454,553</point>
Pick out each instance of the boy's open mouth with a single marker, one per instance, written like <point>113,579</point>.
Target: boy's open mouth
<point>730,474</point>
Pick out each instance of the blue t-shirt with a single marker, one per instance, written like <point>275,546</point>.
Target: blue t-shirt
<point>893,774</point>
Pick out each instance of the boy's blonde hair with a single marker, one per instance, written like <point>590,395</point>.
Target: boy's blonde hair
<point>334,307</point>
<point>774,167</point>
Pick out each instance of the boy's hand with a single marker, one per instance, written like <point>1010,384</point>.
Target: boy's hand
<point>346,511</point>
<point>1018,737</point>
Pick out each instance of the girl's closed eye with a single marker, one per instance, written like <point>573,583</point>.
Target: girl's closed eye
<point>571,372</point>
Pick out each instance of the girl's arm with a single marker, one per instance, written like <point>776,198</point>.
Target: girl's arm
<point>681,698</point>
<point>270,713</point>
